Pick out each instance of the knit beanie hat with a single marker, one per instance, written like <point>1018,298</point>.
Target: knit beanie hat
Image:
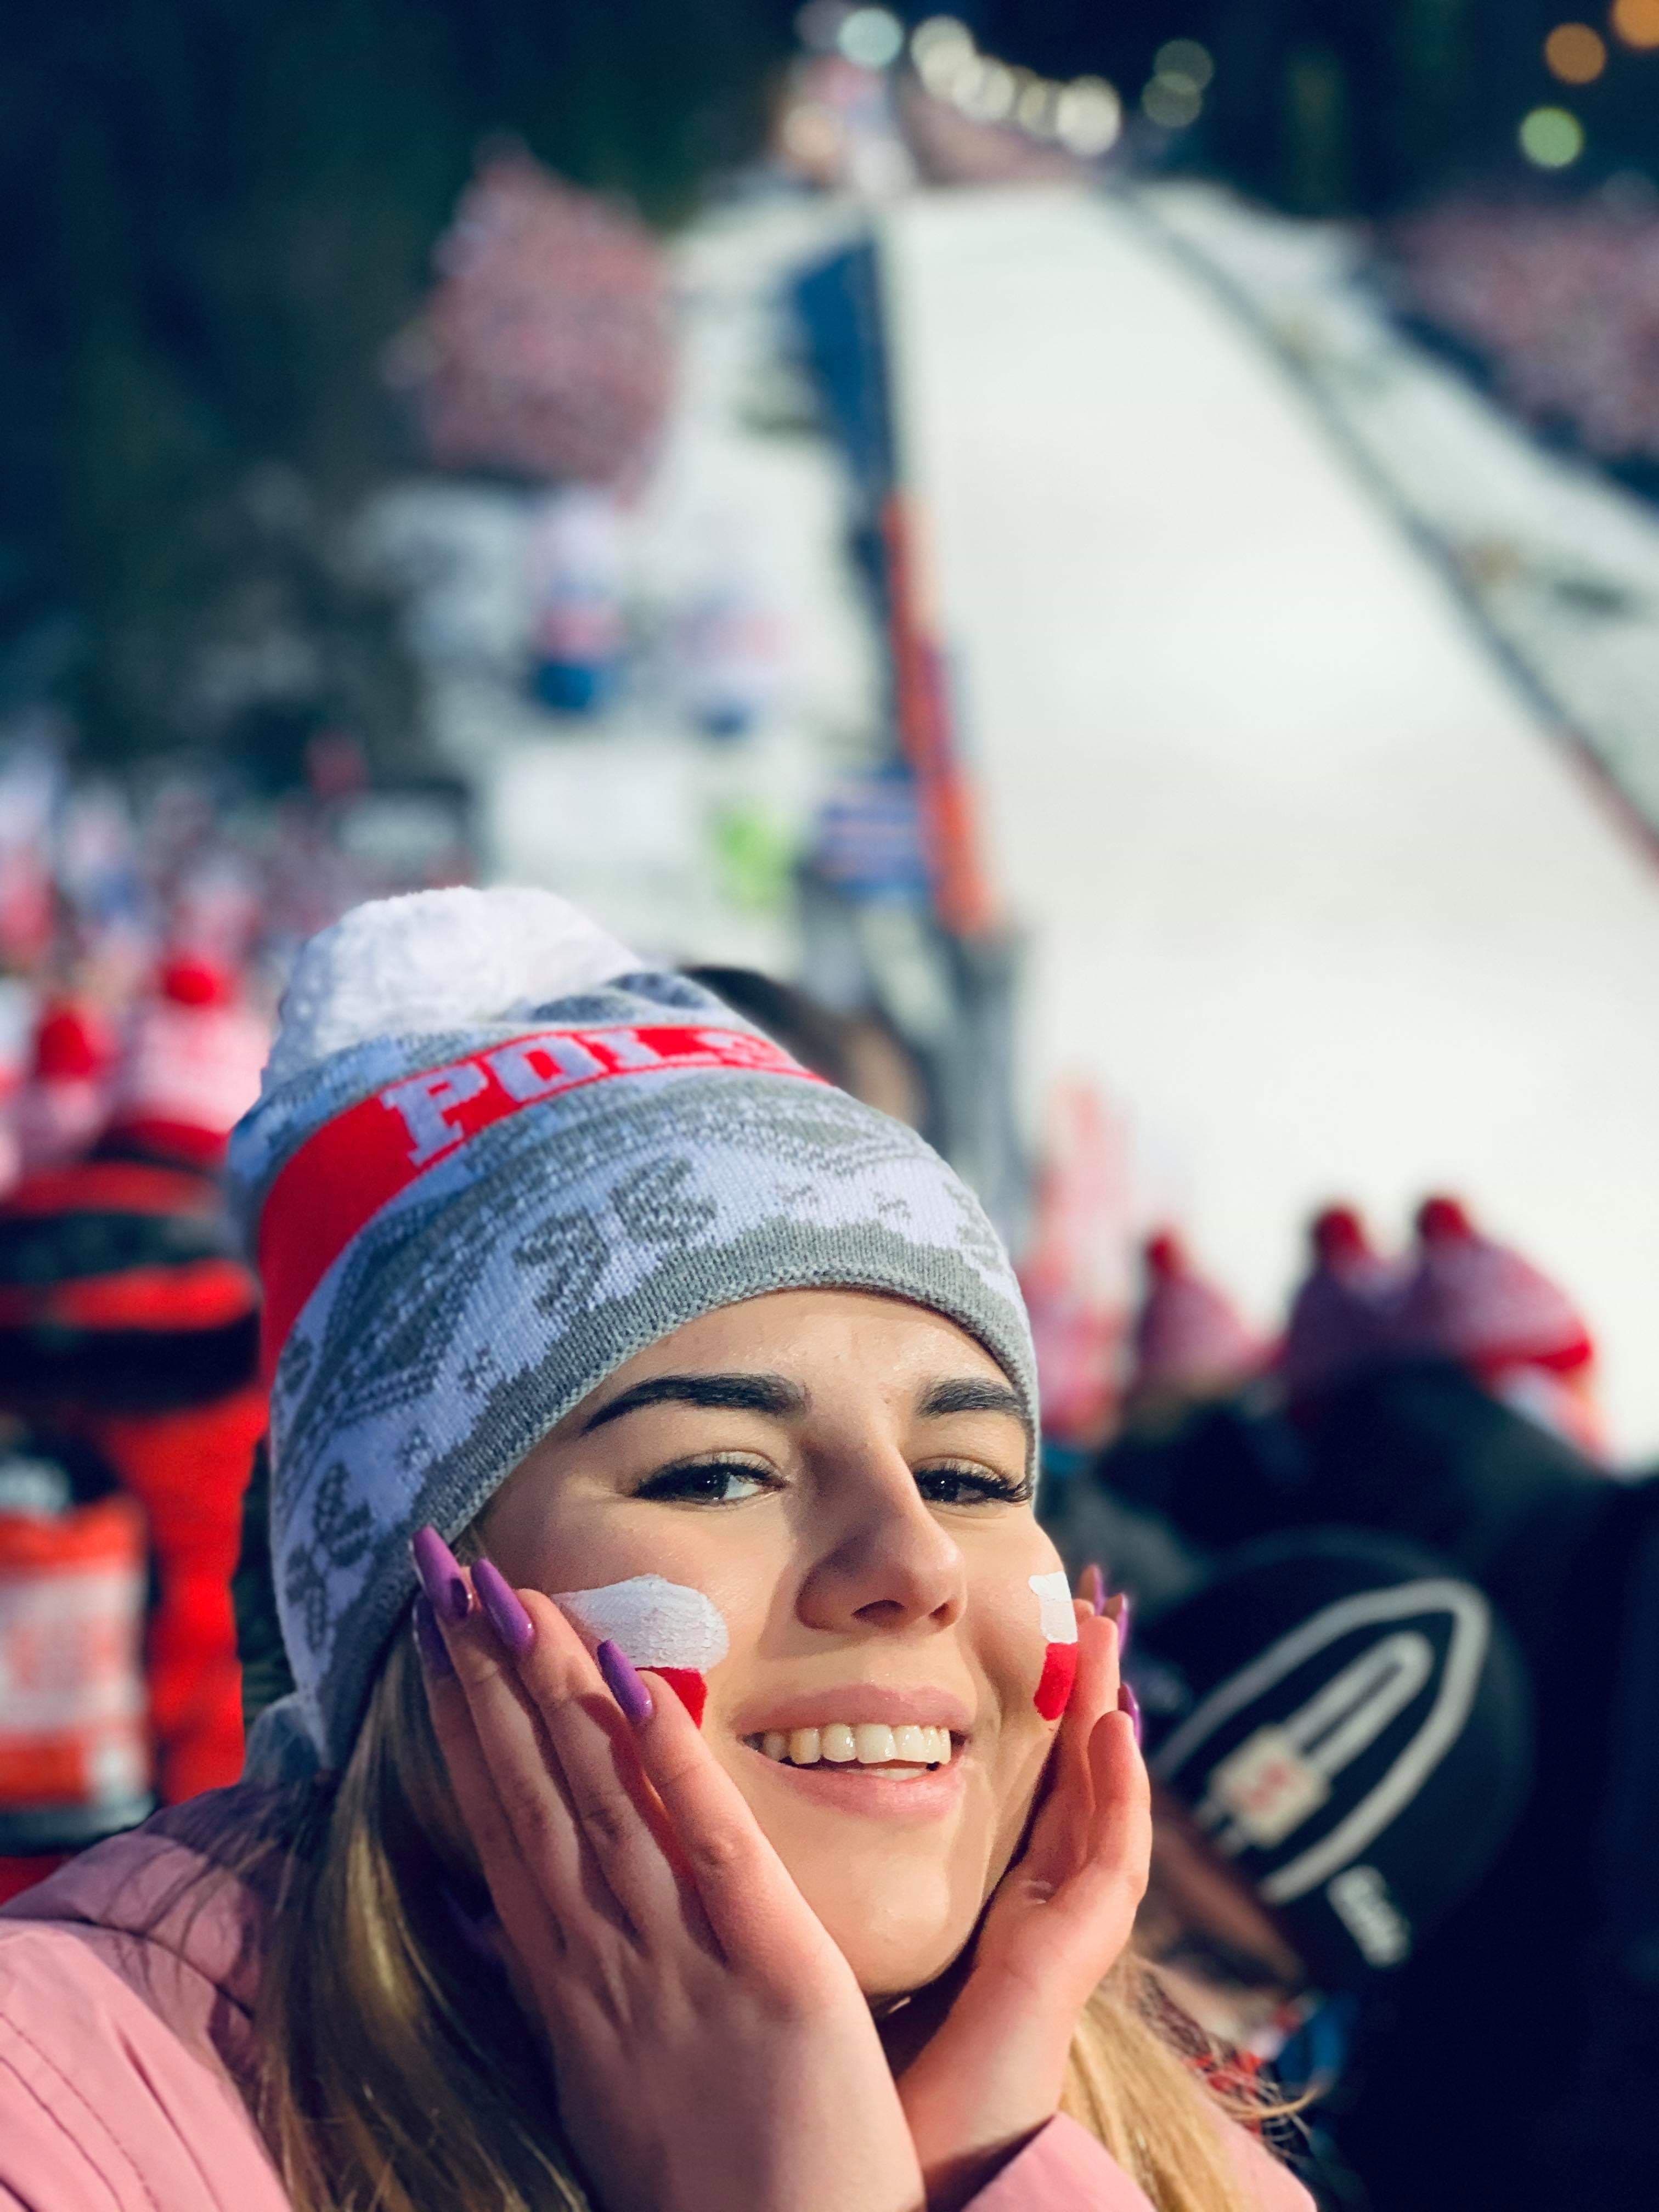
<point>1190,1340</point>
<point>1479,1304</point>
<point>1339,1316</point>
<point>492,1159</point>
<point>62,1105</point>
<point>1351,1725</point>
<point>190,1067</point>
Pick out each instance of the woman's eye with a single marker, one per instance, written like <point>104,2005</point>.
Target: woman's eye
<point>721,1482</point>
<point>970,1486</point>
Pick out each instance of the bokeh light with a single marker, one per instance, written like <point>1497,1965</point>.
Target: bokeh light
<point>987,93</point>
<point>1034,110</point>
<point>1185,61</point>
<point>1574,53</point>
<point>1171,102</point>
<point>1551,138</point>
<point>1088,117</point>
<point>943,52</point>
<point>1636,22</point>
<point>872,37</point>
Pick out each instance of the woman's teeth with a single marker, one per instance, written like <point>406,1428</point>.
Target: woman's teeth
<point>870,1743</point>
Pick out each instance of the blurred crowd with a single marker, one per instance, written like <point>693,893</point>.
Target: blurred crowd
<point>142,940</point>
<point>1556,302</point>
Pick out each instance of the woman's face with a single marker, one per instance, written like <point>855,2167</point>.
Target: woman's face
<point>844,1476</point>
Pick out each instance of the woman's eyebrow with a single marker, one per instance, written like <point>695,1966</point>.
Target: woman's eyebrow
<point>742,1393</point>
<point>974,1394</point>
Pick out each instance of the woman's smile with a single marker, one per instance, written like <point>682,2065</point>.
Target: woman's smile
<point>883,1755</point>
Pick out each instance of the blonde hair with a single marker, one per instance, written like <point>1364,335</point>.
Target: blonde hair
<point>390,2085</point>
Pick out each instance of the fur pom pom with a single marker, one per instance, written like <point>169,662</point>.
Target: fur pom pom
<point>434,961</point>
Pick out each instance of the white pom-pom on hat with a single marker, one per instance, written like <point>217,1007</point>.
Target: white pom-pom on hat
<point>433,961</point>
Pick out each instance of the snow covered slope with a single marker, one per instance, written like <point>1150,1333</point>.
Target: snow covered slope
<point>1314,893</point>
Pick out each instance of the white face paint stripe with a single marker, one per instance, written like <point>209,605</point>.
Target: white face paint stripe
<point>1054,1597</point>
<point>657,1623</point>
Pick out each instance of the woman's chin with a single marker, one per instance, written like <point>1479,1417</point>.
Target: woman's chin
<point>897,1942</point>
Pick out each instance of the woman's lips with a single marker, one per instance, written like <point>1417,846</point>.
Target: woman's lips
<point>914,1794</point>
<point>883,1751</point>
<point>852,1704</point>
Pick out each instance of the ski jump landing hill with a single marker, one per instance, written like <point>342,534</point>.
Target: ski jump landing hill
<point>1315,894</point>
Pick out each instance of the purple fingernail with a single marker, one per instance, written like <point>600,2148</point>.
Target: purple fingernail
<point>428,1639</point>
<point>441,1575</point>
<point>1094,1588</point>
<point>502,1609</point>
<point>1129,1703</point>
<point>622,1681</point>
<point>1125,1607</point>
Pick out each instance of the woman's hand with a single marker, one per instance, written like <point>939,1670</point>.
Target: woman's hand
<point>708,2043</point>
<point>992,2074</point>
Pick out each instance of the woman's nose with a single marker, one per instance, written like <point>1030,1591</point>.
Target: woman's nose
<point>888,1564</point>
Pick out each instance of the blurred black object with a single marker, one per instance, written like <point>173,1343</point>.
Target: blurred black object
<point>1351,1726</point>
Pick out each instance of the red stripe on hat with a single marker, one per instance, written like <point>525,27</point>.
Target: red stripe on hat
<point>354,1165</point>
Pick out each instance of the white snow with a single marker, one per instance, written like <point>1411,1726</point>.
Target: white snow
<point>1315,893</point>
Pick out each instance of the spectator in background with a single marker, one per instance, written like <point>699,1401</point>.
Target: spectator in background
<point>1340,1732</point>
<point>129,1320</point>
<point>860,1053</point>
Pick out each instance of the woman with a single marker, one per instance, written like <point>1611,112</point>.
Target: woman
<point>685,1857</point>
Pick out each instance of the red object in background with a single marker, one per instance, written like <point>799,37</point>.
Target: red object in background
<point>1342,1312</point>
<point>74,1754</point>
<point>70,1043</point>
<point>190,1067</point>
<point>1075,1270</point>
<point>188,1468</point>
<point>1190,1341</point>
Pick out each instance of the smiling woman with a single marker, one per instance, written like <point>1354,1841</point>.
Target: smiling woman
<point>755,1769</point>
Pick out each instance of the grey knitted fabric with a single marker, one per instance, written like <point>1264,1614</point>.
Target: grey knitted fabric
<point>520,1269</point>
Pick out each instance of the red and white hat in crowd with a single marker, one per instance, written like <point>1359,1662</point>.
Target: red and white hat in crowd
<point>63,1099</point>
<point>1339,1316</point>
<point>1190,1341</point>
<point>190,1065</point>
<point>1479,1303</point>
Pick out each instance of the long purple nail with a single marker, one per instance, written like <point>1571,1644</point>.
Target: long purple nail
<point>1093,1579</point>
<point>441,1575</point>
<point>622,1680</point>
<point>1129,1703</point>
<point>1126,1606</point>
<point>428,1639</point>
<point>502,1609</point>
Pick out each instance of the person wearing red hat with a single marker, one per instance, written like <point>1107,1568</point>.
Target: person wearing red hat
<point>1339,1317</point>
<point>1190,1340</point>
<point>62,1105</point>
<point>129,1320</point>
<point>189,1069</point>
<point>1481,1305</point>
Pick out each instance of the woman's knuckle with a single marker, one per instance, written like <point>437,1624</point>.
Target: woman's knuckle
<point>718,1853</point>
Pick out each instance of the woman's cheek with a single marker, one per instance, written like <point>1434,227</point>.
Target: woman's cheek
<point>670,1627</point>
<point>1056,1624</point>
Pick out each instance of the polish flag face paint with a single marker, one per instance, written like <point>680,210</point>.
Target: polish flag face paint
<point>1058,1624</point>
<point>675,1630</point>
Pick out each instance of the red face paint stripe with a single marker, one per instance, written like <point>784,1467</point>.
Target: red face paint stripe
<point>688,1687</point>
<point>1054,1689</point>
<point>342,1176</point>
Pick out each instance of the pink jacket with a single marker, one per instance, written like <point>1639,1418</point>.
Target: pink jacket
<point>126,2032</point>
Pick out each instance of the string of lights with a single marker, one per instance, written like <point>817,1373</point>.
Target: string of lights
<point>1083,116</point>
